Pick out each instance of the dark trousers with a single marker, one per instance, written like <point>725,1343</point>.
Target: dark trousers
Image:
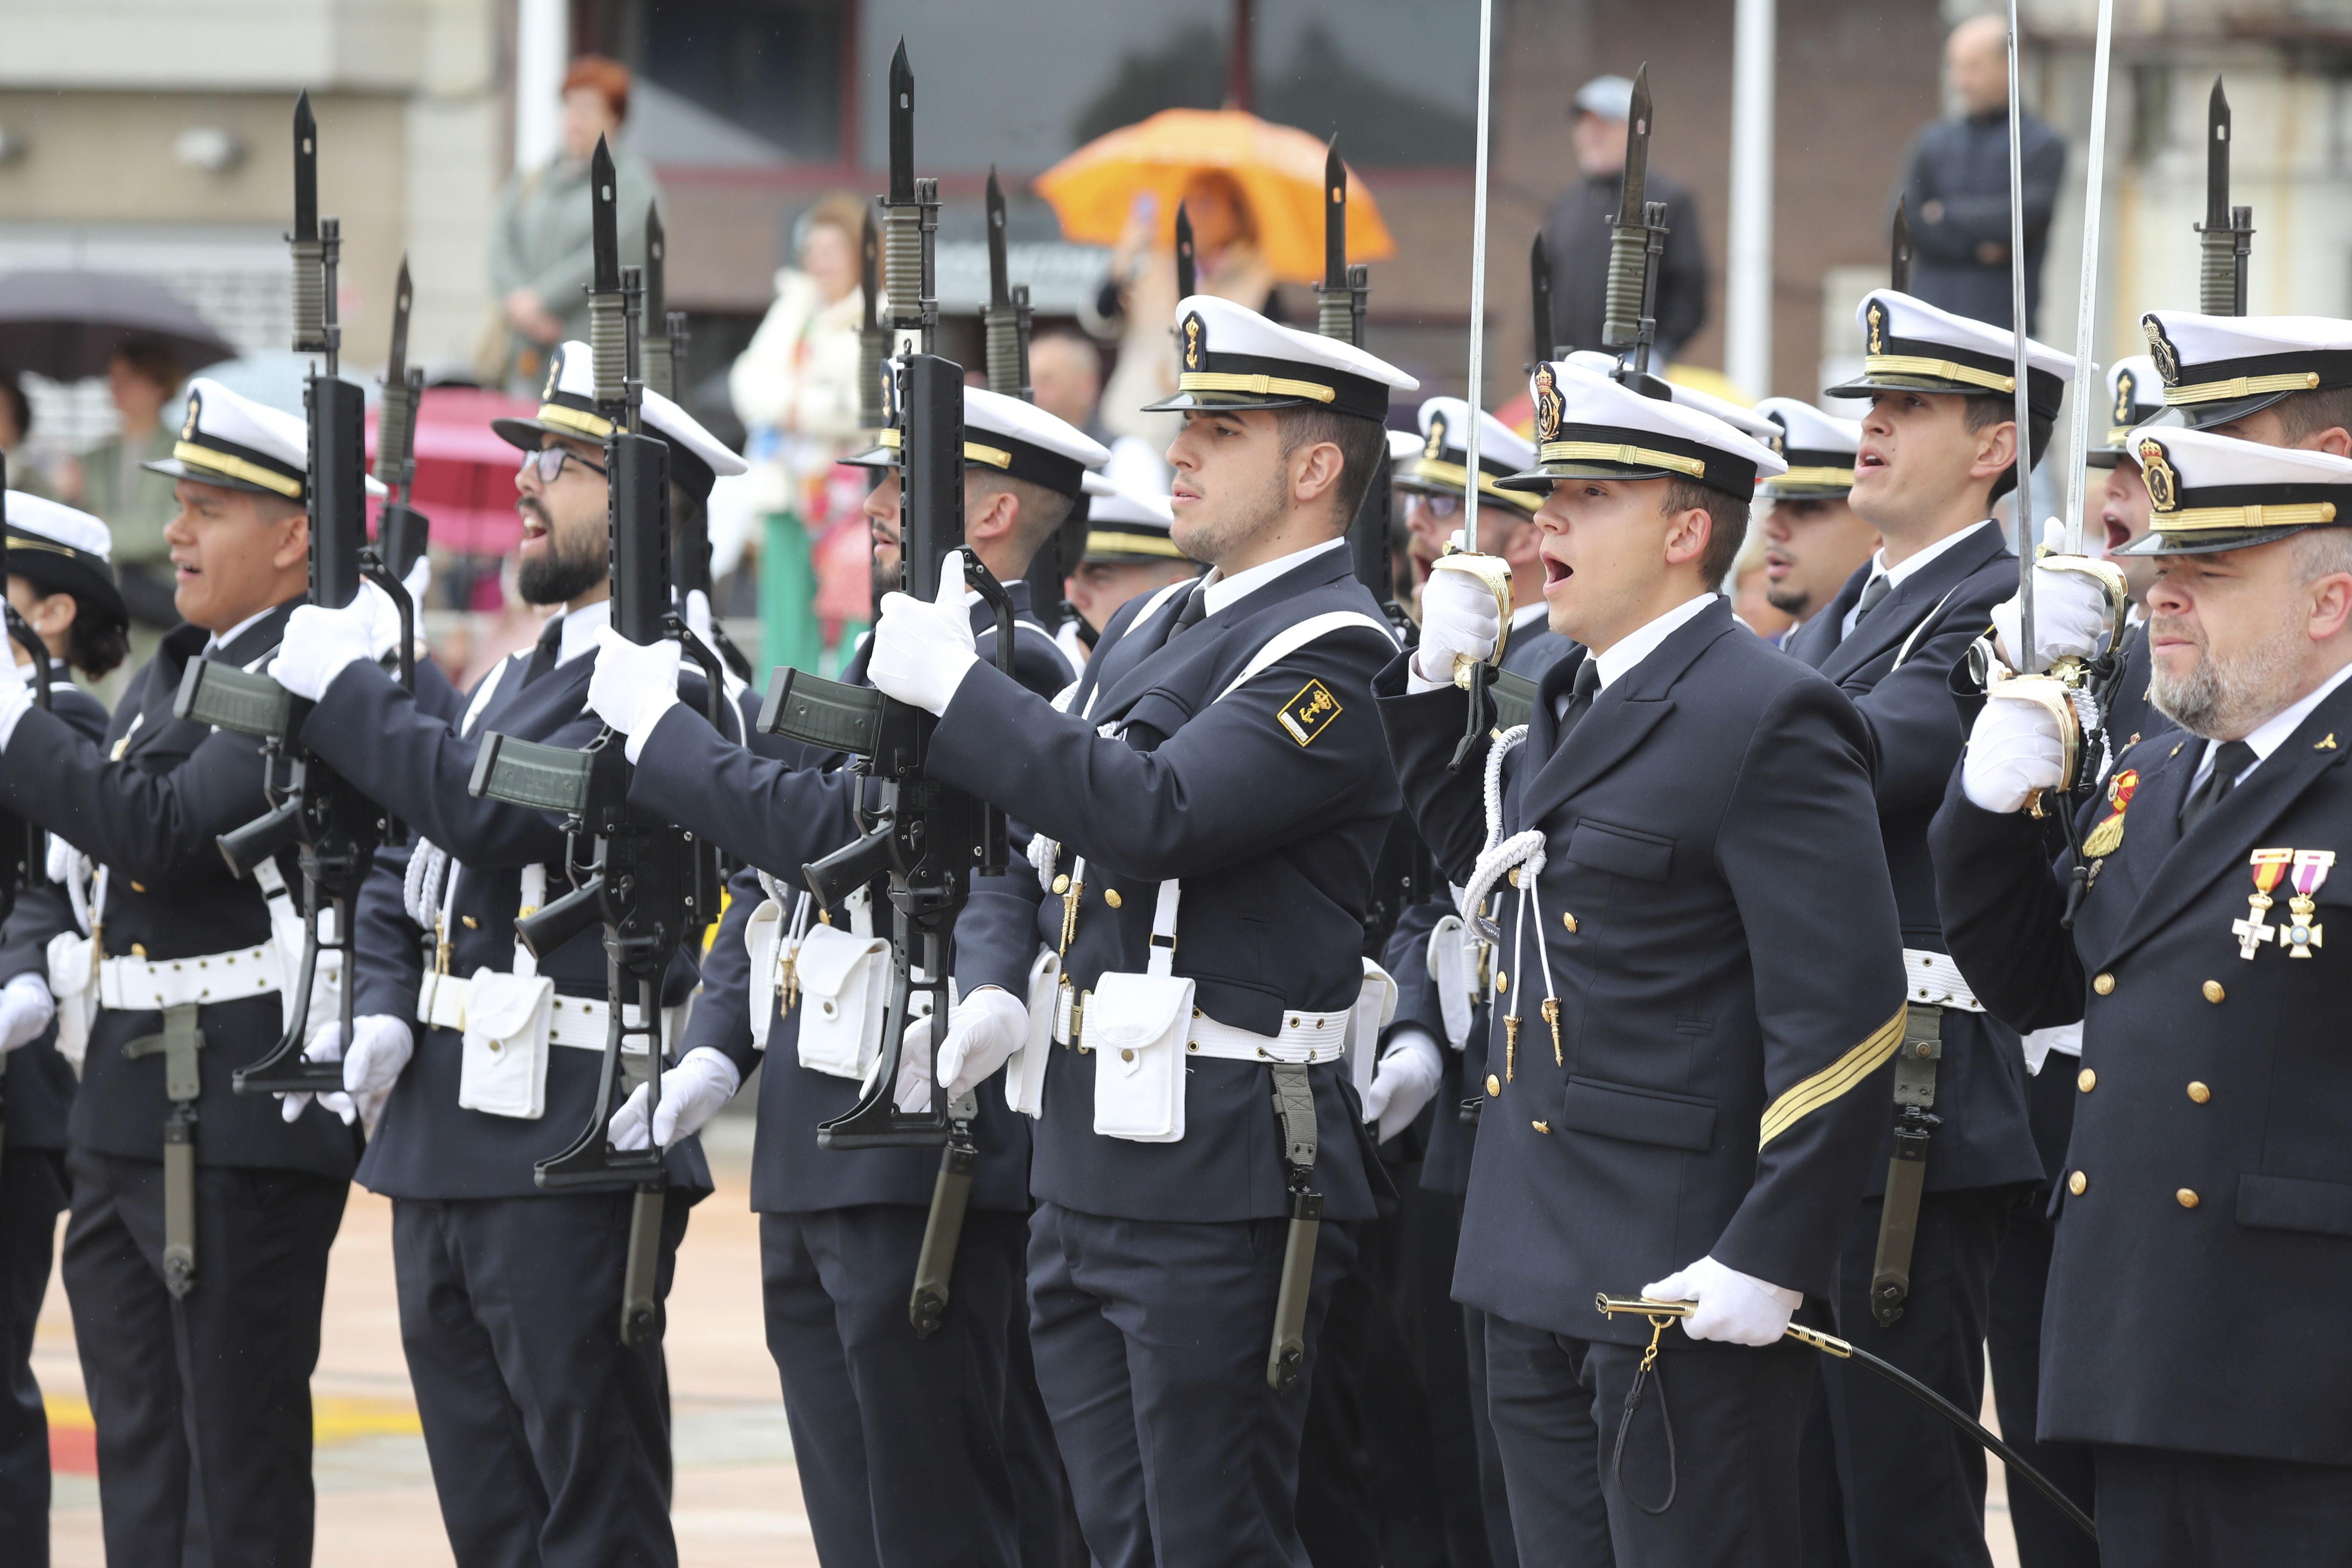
<point>203,1405</point>
<point>1368,1489</point>
<point>32,1194</point>
<point>1729,1468</point>
<point>1152,1342</point>
<point>548,1439</point>
<point>900,1441</point>
<point>2020,1280</point>
<point>1494,1494</point>
<point>1912,1486</point>
<point>1462,1440</point>
<point>2159,1508</point>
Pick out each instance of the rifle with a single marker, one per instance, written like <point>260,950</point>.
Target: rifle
<point>660,367</point>
<point>644,880</point>
<point>1898,266</point>
<point>402,531</point>
<point>927,838</point>
<point>2227,235</point>
<point>1007,320</point>
<point>333,826</point>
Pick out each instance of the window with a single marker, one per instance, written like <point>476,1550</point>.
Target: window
<point>727,82</point>
<point>1397,81</point>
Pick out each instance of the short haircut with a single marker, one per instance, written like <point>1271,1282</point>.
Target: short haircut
<point>1042,510</point>
<point>20,407</point>
<point>2303,415</point>
<point>2321,551</point>
<point>152,360</point>
<point>1982,410</point>
<point>1726,524</point>
<point>1363,452</point>
<point>608,77</point>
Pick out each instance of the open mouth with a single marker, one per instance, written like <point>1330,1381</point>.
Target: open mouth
<point>534,524</point>
<point>1776,565</point>
<point>2118,534</point>
<point>1867,458</point>
<point>1555,573</point>
<point>183,569</point>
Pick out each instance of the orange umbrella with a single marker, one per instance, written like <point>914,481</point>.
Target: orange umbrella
<point>1278,167</point>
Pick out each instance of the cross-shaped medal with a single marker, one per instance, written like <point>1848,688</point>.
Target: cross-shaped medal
<point>2251,932</point>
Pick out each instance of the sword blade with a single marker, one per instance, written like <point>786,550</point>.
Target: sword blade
<point>1637,152</point>
<point>2078,434</point>
<point>2024,492</point>
<point>1335,218</point>
<point>306,170</point>
<point>2217,158</point>
<point>605,223</point>
<point>999,288</point>
<point>902,126</point>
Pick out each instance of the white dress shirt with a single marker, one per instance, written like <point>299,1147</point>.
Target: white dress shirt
<point>2272,732</point>
<point>1218,590</point>
<point>580,629</point>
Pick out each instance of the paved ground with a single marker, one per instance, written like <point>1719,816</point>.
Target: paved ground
<point>738,1500</point>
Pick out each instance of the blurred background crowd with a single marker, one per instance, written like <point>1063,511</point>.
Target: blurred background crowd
<point>143,162</point>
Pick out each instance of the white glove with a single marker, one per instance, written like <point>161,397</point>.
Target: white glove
<point>985,1028</point>
<point>691,1094</point>
<point>383,616</point>
<point>320,644</point>
<point>383,1045</point>
<point>1402,1082</point>
<point>2070,614</point>
<point>633,685</point>
<point>25,1009</point>
<point>1736,1308</point>
<point>698,616</point>
<point>2013,751</point>
<point>16,697</point>
<point>1457,617</point>
<point>326,1045</point>
<point>922,652</point>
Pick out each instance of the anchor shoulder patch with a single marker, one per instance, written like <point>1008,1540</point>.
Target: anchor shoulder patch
<point>1310,713</point>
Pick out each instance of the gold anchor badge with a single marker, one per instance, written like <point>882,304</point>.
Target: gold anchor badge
<point>1877,315</point>
<point>1195,340</point>
<point>2163,482</point>
<point>188,426</point>
<point>1435,445</point>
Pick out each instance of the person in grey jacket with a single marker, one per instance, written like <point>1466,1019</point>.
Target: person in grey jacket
<point>1956,187</point>
<point>1576,230</point>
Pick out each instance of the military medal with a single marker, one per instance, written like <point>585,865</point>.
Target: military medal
<point>2302,934</point>
<point>2108,837</point>
<point>2253,931</point>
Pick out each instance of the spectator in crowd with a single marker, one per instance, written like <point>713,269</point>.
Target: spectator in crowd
<point>796,388</point>
<point>1139,298</point>
<point>16,424</point>
<point>540,244</point>
<point>143,379</point>
<point>1751,597</point>
<point>1066,375</point>
<point>1576,230</point>
<point>1958,185</point>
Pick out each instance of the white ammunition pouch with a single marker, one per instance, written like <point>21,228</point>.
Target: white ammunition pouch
<point>1376,1004</point>
<point>1933,980</point>
<point>1451,972</point>
<point>771,947</point>
<point>844,981</point>
<point>1024,1070</point>
<point>73,982</point>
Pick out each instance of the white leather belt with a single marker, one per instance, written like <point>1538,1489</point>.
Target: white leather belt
<point>1933,978</point>
<point>579,1022</point>
<point>148,985</point>
<point>1305,1037</point>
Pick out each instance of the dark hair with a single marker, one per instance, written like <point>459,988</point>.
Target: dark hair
<point>1043,510</point>
<point>2303,415</point>
<point>1726,524</point>
<point>1982,410</point>
<point>95,646</point>
<point>608,77</point>
<point>1363,451</point>
<point>20,407</point>
<point>153,360</point>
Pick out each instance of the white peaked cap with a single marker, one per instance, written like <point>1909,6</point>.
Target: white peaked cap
<point>1589,426</point>
<point>1909,345</point>
<point>2209,492</point>
<point>1229,356</point>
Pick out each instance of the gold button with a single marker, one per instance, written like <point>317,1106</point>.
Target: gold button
<point>2086,1080</point>
<point>1126,1055</point>
<point>469,922</point>
<point>1110,897</point>
<point>139,949</point>
<point>2078,1183</point>
<point>1540,1126</point>
<point>1515,876</point>
<point>1062,884</point>
<point>1502,981</point>
<point>1570,921</point>
<point>2200,1093</point>
<point>138,887</point>
<point>2213,991</point>
<point>2103,984</point>
<point>1494,1085</point>
<point>2187,1199</point>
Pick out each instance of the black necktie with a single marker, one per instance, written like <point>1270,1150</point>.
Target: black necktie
<point>1580,699</point>
<point>542,658</point>
<point>1877,588</point>
<point>1195,611</point>
<point>2230,759</point>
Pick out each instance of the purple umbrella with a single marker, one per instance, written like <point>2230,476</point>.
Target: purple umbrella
<point>66,325</point>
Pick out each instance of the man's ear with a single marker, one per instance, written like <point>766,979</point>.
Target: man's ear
<point>1686,535</point>
<point>1996,450</point>
<point>998,512</point>
<point>2331,605</point>
<point>2336,440</point>
<point>1315,471</point>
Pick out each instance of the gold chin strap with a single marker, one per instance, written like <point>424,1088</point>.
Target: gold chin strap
<point>236,467</point>
<point>1824,478</point>
<point>1941,368</point>
<point>2239,386</point>
<point>1258,385</point>
<point>1610,452</point>
<point>2203,519</point>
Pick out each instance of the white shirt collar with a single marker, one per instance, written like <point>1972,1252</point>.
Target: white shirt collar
<point>580,629</point>
<point>1219,590</point>
<point>222,639</point>
<point>1896,575</point>
<point>2271,733</point>
<point>1632,649</point>
<point>1526,615</point>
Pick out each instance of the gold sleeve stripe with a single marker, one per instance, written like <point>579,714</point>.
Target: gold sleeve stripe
<point>1833,1079</point>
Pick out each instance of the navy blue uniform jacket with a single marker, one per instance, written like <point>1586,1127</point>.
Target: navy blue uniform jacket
<point>1721,934</point>
<point>2198,1284</point>
<point>1895,669</point>
<point>1275,842</point>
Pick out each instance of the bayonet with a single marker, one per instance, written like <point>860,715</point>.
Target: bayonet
<point>1187,280</point>
<point>609,346</point>
<point>1898,272</point>
<point>1000,321</point>
<point>306,171</point>
<point>873,343</point>
<point>910,220</point>
<point>400,529</point>
<point>1336,311</point>
<point>1539,289</point>
<point>902,129</point>
<point>313,250</point>
<point>1632,201</point>
<point>2226,237</point>
<point>1637,242</point>
<point>660,373</point>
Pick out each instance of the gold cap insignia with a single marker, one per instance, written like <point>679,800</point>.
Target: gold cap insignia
<point>1196,340</point>
<point>2123,390</point>
<point>555,375</point>
<point>1549,405</point>
<point>188,426</point>
<point>2160,347</point>
<point>1779,439</point>
<point>2163,482</point>
<point>1435,445</point>
<point>1876,316</point>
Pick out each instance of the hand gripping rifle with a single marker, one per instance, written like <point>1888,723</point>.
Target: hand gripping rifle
<point>927,838</point>
<point>334,827</point>
<point>643,880</point>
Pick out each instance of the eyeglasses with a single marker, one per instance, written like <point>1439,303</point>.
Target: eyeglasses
<point>1436,505</point>
<point>549,462</point>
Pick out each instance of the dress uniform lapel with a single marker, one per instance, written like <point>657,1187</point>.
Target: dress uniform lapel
<point>1818,638</point>
<point>1628,710</point>
<point>2220,844</point>
<point>182,644</point>
<point>1899,615</point>
<point>1196,651</point>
